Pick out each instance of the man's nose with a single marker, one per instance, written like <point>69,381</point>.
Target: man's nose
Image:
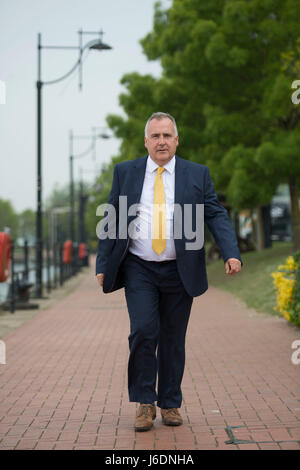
<point>161,140</point>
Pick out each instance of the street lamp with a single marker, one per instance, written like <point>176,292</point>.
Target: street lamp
<point>97,44</point>
<point>53,225</point>
<point>93,137</point>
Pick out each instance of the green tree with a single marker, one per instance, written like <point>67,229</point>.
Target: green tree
<point>8,218</point>
<point>27,221</point>
<point>57,213</point>
<point>224,80</point>
<point>279,150</point>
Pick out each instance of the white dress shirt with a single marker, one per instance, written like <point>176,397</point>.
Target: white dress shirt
<point>141,245</point>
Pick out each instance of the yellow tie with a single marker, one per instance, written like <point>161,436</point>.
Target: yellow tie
<point>159,214</point>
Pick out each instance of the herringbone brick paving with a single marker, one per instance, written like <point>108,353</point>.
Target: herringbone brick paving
<point>64,384</point>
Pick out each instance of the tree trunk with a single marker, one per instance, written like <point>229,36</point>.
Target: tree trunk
<point>260,234</point>
<point>236,222</point>
<point>295,211</point>
<point>267,225</point>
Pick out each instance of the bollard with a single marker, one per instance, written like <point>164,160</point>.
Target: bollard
<point>48,266</point>
<point>26,262</point>
<point>12,275</point>
<point>61,265</point>
<point>55,265</point>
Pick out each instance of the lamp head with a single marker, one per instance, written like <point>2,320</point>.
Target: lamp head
<point>99,45</point>
<point>103,135</point>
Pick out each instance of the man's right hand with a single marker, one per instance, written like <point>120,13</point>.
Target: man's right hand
<point>100,278</point>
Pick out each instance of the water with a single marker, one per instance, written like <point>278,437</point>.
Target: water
<point>4,286</point>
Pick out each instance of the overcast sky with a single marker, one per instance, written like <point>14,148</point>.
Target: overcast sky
<point>124,23</point>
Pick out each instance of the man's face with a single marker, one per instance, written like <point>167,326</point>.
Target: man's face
<point>161,141</point>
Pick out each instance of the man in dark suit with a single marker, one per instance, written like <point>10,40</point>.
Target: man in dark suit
<point>161,262</point>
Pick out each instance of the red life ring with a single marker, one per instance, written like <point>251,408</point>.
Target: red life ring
<point>67,252</point>
<point>82,250</point>
<point>5,247</point>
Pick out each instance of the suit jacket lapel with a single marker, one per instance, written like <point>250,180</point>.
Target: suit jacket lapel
<point>180,180</point>
<point>139,175</point>
<point>138,179</point>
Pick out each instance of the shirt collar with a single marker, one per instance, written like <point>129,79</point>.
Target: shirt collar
<point>152,166</point>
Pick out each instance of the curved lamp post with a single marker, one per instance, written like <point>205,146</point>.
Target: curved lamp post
<point>93,137</point>
<point>96,44</point>
<point>92,147</point>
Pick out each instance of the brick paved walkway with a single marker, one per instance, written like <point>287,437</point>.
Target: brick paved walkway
<point>65,382</point>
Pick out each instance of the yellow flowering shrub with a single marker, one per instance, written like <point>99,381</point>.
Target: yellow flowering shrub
<point>286,281</point>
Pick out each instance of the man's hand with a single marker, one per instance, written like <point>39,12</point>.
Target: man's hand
<point>100,279</point>
<point>232,266</point>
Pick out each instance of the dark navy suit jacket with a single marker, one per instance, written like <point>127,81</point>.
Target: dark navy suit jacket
<point>193,185</point>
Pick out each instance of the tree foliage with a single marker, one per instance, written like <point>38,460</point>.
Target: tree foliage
<point>8,218</point>
<point>27,220</point>
<point>227,70</point>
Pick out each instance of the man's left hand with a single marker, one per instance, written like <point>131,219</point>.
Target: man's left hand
<point>232,266</point>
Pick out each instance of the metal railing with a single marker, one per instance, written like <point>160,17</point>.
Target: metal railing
<point>23,269</point>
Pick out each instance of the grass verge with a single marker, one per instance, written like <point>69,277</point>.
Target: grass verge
<point>254,284</point>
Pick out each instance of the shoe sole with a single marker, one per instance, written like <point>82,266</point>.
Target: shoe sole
<point>171,424</point>
<point>146,428</point>
<point>143,429</point>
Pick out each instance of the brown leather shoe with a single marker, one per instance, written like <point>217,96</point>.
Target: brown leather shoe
<point>171,417</point>
<point>145,416</point>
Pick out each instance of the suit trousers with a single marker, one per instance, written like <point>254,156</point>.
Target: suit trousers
<point>159,309</point>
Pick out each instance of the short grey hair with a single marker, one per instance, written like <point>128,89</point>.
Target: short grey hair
<point>159,116</point>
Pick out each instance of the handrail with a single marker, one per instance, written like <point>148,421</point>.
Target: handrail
<point>81,51</point>
<point>79,155</point>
